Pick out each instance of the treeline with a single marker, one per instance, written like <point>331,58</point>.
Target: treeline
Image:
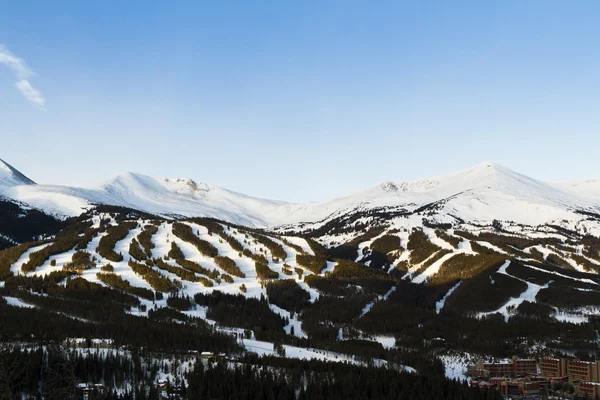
<point>233,242</point>
<point>349,274</point>
<point>36,284</point>
<point>484,292</point>
<point>591,245</point>
<point>211,225</point>
<point>431,260</point>
<point>53,289</point>
<point>106,246</point>
<point>62,244</point>
<point>509,243</point>
<point>276,249</point>
<point>287,269</point>
<point>317,248</point>
<point>298,249</point>
<point>145,238</point>
<point>184,274</point>
<point>348,250</point>
<point>258,258</point>
<point>346,269</point>
<point>557,260</point>
<point>568,297</point>
<point>242,312</point>
<point>585,263</point>
<point>315,264</point>
<point>535,310</point>
<point>78,288</point>
<point>453,240</point>
<point>195,267</point>
<point>52,321</point>
<point>386,244</point>
<point>407,306</point>
<point>330,286</point>
<point>263,272</point>
<point>86,237</point>
<point>239,247</point>
<point>420,246</point>
<point>11,255</point>
<point>411,310</point>
<point>65,241</point>
<point>168,314</point>
<point>117,281</point>
<point>380,251</point>
<point>315,380</point>
<point>186,233</point>
<point>462,266</point>
<point>181,303</point>
<point>240,382</point>
<point>159,282</point>
<point>288,295</point>
<point>80,261</point>
<point>323,319</point>
<point>136,251</point>
<point>175,253</point>
<point>22,224</point>
<point>87,310</point>
<point>54,372</point>
<point>229,266</point>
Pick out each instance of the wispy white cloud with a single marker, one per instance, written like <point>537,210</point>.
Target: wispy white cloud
<point>22,72</point>
<point>30,93</point>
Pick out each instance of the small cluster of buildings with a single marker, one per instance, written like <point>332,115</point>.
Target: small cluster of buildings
<point>169,391</point>
<point>90,390</point>
<point>522,377</point>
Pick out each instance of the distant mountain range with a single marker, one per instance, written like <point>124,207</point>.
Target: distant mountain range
<point>486,249</point>
<point>479,194</point>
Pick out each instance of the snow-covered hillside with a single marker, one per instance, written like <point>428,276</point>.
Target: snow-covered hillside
<point>589,189</point>
<point>534,267</point>
<point>9,176</point>
<point>482,193</point>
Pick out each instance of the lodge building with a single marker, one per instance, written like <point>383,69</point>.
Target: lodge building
<point>520,377</point>
<point>553,367</point>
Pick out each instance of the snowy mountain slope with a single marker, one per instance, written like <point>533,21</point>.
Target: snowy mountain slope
<point>482,193</point>
<point>485,192</point>
<point>536,273</point>
<point>9,176</point>
<point>161,196</point>
<point>19,222</point>
<point>355,304</point>
<point>589,189</point>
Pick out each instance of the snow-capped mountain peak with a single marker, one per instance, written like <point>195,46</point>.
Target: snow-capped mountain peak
<point>389,187</point>
<point>481,193</point>
<point>188,183</point>
<point>138,183</point>
<point>486,174</point>
<point>9,176</point>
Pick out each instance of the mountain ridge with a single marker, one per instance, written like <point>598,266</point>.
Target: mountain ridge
<point>484,248</point>
<point>10,176</point>
<point>483,192</point>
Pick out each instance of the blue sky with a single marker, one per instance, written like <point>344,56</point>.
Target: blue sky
<point>299,100</point>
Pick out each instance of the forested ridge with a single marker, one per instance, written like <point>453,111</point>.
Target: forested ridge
<point>175,287</point>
